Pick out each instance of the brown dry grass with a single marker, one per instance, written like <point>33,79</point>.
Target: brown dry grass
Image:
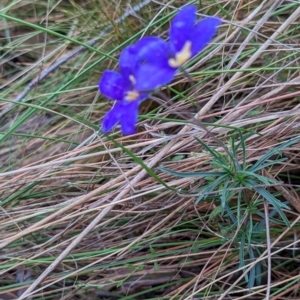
<point>84,218</point>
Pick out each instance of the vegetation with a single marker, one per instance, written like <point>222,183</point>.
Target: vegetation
<point>202,203</point>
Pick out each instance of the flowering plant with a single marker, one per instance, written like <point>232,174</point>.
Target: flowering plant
<point>151,63</point>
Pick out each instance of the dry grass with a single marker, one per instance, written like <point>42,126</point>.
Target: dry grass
<point>88,216</point>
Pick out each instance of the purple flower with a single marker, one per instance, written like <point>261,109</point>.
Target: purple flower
<point>128,88</point>
<point>186,40</point>
<point>151,63</point>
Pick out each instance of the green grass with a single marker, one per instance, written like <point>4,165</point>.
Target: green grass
<point>202,203</point>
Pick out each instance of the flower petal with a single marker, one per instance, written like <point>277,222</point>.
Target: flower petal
<point>142,97</point>
<point>153,50</point>
<point>128,61</point>
<point>181,29</point>
<point>112,117</point>
<point>129,117</point>
<point>113,85</point>
<point>152,76</point>
<point>204,31</point>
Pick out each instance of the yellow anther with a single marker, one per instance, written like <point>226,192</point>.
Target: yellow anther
<point>181,57</point>
<point>132,96</point>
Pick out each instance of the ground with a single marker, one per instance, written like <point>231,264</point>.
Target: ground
<point>201,203</point>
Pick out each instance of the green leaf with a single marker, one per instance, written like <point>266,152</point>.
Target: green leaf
<point>218,157</point>
<point>261,179</point>
<point>268,164</point>
<point>252,272</point>
<point>274,151</point>
<point>210,188</point>
<point>215,212</point>
<point>177,158</point>
<point>141,163</point>
<point>224,194</point>
<point>191,174</point>
<point>278,205</point>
